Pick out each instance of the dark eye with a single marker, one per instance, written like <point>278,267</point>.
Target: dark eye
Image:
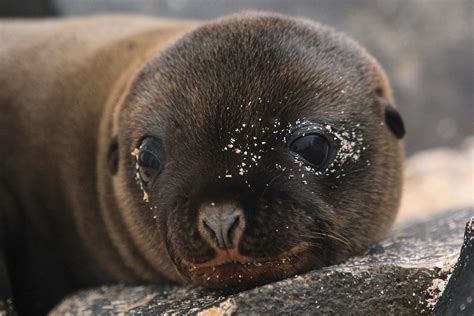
<point>150,159</point>
<point>312,148</point>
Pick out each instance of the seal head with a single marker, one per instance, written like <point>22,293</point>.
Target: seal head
<point>253,148</point>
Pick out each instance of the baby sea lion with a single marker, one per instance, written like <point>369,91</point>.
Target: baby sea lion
<point>225,154</point>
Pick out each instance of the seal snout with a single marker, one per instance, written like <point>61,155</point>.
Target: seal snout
<point>221,224</point>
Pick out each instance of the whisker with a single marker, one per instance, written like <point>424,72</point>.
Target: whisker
<point>341,237</point>
<point>320,236</point>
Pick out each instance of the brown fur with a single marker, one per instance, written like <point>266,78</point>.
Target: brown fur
<point>68,88</point>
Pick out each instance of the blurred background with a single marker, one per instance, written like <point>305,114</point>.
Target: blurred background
<point>426,47</point>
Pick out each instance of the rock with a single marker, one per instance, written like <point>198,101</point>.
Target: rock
<point>458,298</point>
<point>391,278</point>
<point>438,179</point>
<point>6,307</point>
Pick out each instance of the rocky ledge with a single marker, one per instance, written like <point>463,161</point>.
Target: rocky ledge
<point>418,269</point>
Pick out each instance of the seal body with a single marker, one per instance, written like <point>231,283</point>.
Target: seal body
<point>226,154</point>
<point>56,78</point>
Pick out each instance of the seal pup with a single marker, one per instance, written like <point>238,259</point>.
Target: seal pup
<point>226,154</point>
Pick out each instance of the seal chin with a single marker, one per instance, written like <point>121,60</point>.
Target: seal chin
<point>231,270</point>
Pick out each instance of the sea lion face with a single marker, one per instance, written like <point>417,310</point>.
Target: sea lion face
<point>262,148</point>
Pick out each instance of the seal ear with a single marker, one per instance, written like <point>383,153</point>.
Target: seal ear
<point>113,156</point>
<point>394,121</point>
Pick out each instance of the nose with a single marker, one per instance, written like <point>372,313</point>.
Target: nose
<point>221,224</point>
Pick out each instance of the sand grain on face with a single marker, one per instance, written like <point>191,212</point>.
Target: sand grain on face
<point>136,154</point>
<point>250,149</point>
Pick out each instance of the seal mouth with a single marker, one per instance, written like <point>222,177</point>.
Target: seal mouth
<point>237,271</point>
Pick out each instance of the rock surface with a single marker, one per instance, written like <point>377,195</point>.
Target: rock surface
<point>458,298</point>
<point>393,277</point>
<point>438,179</point>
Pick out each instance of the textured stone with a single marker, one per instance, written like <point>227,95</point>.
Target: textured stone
<point>438,179</point>
<point>392,277</point>
<point>458,298</point>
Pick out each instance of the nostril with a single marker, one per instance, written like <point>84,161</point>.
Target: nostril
<point>210,231</point>
<point>221,225</point>
<point>232,229</point>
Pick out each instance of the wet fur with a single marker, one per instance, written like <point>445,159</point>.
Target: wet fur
<point>78,95</point>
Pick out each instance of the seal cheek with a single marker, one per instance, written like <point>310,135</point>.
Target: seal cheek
<point>183,237</point>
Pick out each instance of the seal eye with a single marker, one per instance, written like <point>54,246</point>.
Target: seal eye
<point>148,163</point>
<point>150,159</point>
<point>312,148</point>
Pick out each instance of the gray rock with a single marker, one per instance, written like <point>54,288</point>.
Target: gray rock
<point>405,274</point>
<point>436,180</point>
<point>458,298</point>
